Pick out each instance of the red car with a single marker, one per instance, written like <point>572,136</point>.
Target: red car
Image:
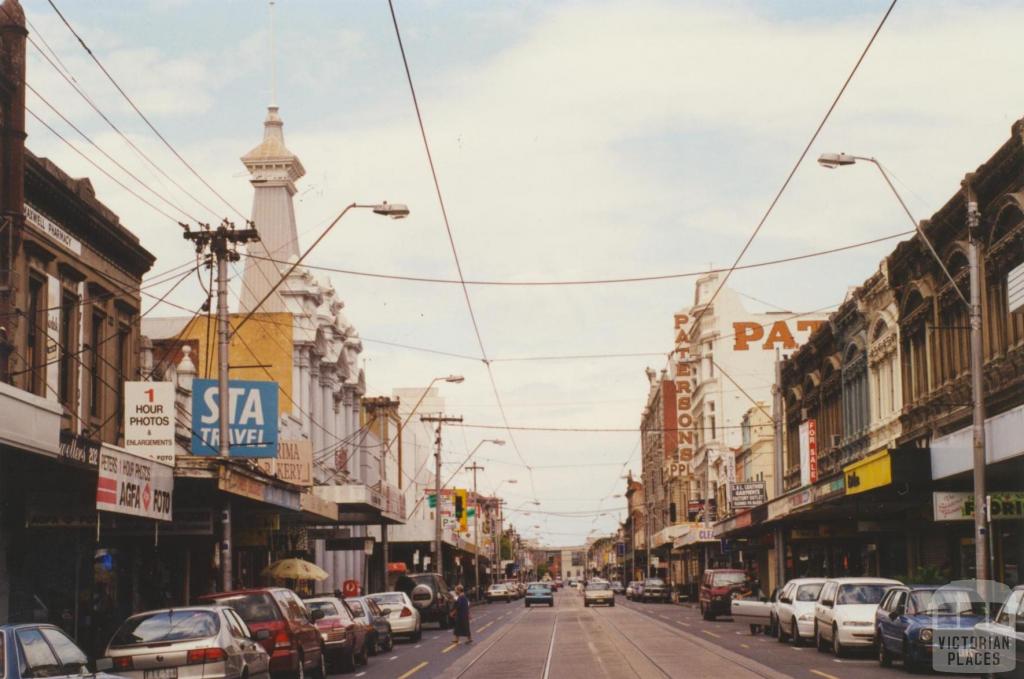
<point>294,644</point>
<point>344,637</point>
<point>716,589</point>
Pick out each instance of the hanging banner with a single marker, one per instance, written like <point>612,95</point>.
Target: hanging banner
<point>808,452</point>
<point>683,379</point>
<point>252,415</point>
<point>133,485</point>
<point>149,420</point>
<point>53,352</point>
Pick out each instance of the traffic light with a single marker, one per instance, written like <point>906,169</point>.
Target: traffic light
<point>432,500</point>
<point>460,508</point>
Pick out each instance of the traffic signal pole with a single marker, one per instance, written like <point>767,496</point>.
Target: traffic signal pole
<point>221,242</point>
<point>439,419</point>
<point>476,528</point>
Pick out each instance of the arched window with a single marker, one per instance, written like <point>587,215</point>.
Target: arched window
<point>916,361</point>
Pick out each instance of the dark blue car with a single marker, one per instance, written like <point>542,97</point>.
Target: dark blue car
<point>539,593</point>
<point>33,650</point>
<point>907,618</point>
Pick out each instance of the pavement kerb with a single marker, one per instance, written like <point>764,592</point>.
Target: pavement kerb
<point>741,660</point>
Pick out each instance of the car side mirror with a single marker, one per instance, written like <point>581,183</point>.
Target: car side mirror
<point>263,634</point>
<point>104,664</point>
<point>318,614</point>
<point>385,611</point>
<point>785,600</point>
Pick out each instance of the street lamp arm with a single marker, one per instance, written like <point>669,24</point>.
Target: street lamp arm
<point>917,226</point>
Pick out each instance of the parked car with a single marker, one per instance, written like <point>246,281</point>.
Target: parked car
<point>197,641</point>
<point>717,586</point>
<point>36,650</point>
<point>1008,623</point>
<point>539,593</point>
<point>907,618</point>
<point>430,595</point>
<point>403,616</point>
<point>558,584</point>
<point>631,590</point>
<point>598,592</point>
<point>755,610</point>
<point>367,611</point>
<point>794,611</point>
<point>844,615</point>
<point>294,642</point>
<point>572,583</point>
<point>499,593</point>
<point>654,589</point>
<point>344,640</point>
<point>617,587</point>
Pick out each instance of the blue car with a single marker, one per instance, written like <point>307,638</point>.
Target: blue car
<point>539,593</point>
<point>34,650</point>
<point>907,617</point>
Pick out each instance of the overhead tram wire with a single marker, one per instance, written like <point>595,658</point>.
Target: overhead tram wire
<point>592,281</point>
<point>142,115</point>
<point>793,170</point>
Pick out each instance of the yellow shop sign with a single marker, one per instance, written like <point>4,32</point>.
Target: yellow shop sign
<point>874,471</point>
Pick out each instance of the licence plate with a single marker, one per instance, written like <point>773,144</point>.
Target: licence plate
<point>162,673</point>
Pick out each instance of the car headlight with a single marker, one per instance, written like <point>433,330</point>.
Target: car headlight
<point>323,635</point>
<point>926,635</point>
<point>806,617</point>
<point>856,623</point>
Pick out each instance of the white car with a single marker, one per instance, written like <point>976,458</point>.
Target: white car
<point>403,616</point>
<point>844,615</point>
<point>794,610</point>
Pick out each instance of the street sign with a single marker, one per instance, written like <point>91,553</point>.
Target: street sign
<point>133,485</point>
<point>253,418</point>
<point>149,420</point>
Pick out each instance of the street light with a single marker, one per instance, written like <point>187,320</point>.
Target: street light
<point>501,521</point>
<point>981,556</point>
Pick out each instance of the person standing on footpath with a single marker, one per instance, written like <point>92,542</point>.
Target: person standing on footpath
<point>461,615</point>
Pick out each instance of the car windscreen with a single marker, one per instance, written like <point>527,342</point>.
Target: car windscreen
<point>166,626</point>
<point>329,609</point>
<point>727,579</point>
<point>388,599</point>
<point>808,592</point>
<point>656,582</point>
<point>861,594</point>
<point>598,586</point>
<point>255,607</point>
<point>943,602</point>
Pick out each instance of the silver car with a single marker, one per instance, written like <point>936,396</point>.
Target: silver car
<point>199,642</point>
<point>404,618</point>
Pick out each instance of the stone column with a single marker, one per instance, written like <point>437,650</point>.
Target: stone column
<point>302,397</point>
<point>316,431</point>
<point>326,417</point>
<point>297,382</point>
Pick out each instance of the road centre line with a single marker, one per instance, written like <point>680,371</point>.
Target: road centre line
<point>551,648</point>
<point>450,647</point>
<point>413,671</point>
<point>826,675</point>
<point>711,634</point>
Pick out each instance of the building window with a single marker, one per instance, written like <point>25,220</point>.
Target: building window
<point>711,424</point>
<point>35,349</point>
<point>68,323</point>
<point>123,366</point>
<point>96,365</point>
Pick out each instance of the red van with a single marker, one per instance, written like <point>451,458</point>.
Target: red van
<point>717,586</point>
<point>294,643</point>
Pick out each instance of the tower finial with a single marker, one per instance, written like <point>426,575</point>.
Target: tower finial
<point>273,58</point>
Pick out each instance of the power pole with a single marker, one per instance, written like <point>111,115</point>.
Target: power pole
<point>222,242</point>
<point>476,531</point>
<point>440,419</point>
<point>779,470</point>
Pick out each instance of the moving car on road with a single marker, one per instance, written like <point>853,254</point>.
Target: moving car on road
<point>631,590</point>
<point>366,611</point>
<point>598,592</point>
<point>617,587</point>
<point>794,611</point>
<point>403,616</point>
<point>756,611</point>
<point>499,593</point>
<point>344,640</point>
<point>199,641</point>
<point>908,618</point>
<point>430,595</point>
<point>844,615</point>
<point>539,593</point>
<point>717,586</point>
<point>35,650</point>
<point>294,642</point>
<point>654,589</point>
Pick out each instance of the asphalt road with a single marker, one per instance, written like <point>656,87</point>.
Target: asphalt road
<point>629,640</point>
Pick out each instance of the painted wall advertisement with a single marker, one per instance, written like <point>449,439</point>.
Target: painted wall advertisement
<point>149,420</point>
<point>808,452</point>
<point>683,379</point>
<point>294,462</point>
<point>134,485</point>
<point>253,418</point>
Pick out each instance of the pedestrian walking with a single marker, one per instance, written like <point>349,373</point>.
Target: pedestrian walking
<point>461,615</point>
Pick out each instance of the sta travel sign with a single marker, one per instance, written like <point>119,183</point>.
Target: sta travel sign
<point>252,416</point>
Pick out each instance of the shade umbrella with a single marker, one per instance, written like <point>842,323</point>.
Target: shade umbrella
<point>295,569</point>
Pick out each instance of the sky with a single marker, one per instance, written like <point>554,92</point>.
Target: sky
<point>572,140</point>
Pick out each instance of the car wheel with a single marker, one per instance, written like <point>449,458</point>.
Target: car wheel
<point>390,643</point>
<point>909,663</point>
<point>884,657</point>
<point>348,663</point>
<point>780,634</point>
<point>527,604</point>
<point>320,672</point>
<point>551,605</point>
<point>612,604</point>
<point>372,643</point>
<point>837,647</point>
<point>301,672</point>
<point>794,633</point>
<point>363,657</point>
<point>819,641</point>
<point>418,634</point>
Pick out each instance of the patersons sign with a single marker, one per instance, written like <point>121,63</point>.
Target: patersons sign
<point>778,334</point>
<point>684,395</point>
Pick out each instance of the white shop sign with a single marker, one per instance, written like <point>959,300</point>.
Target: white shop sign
<point>49,227</point>
<point>1004,439</point>
<point>149,420</point>
<point>133,485</point>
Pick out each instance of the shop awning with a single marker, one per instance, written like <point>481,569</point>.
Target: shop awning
<point>695,533</point>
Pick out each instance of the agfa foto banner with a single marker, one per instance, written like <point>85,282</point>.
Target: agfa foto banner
<point>252,427</point>
<point>134,485</point>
